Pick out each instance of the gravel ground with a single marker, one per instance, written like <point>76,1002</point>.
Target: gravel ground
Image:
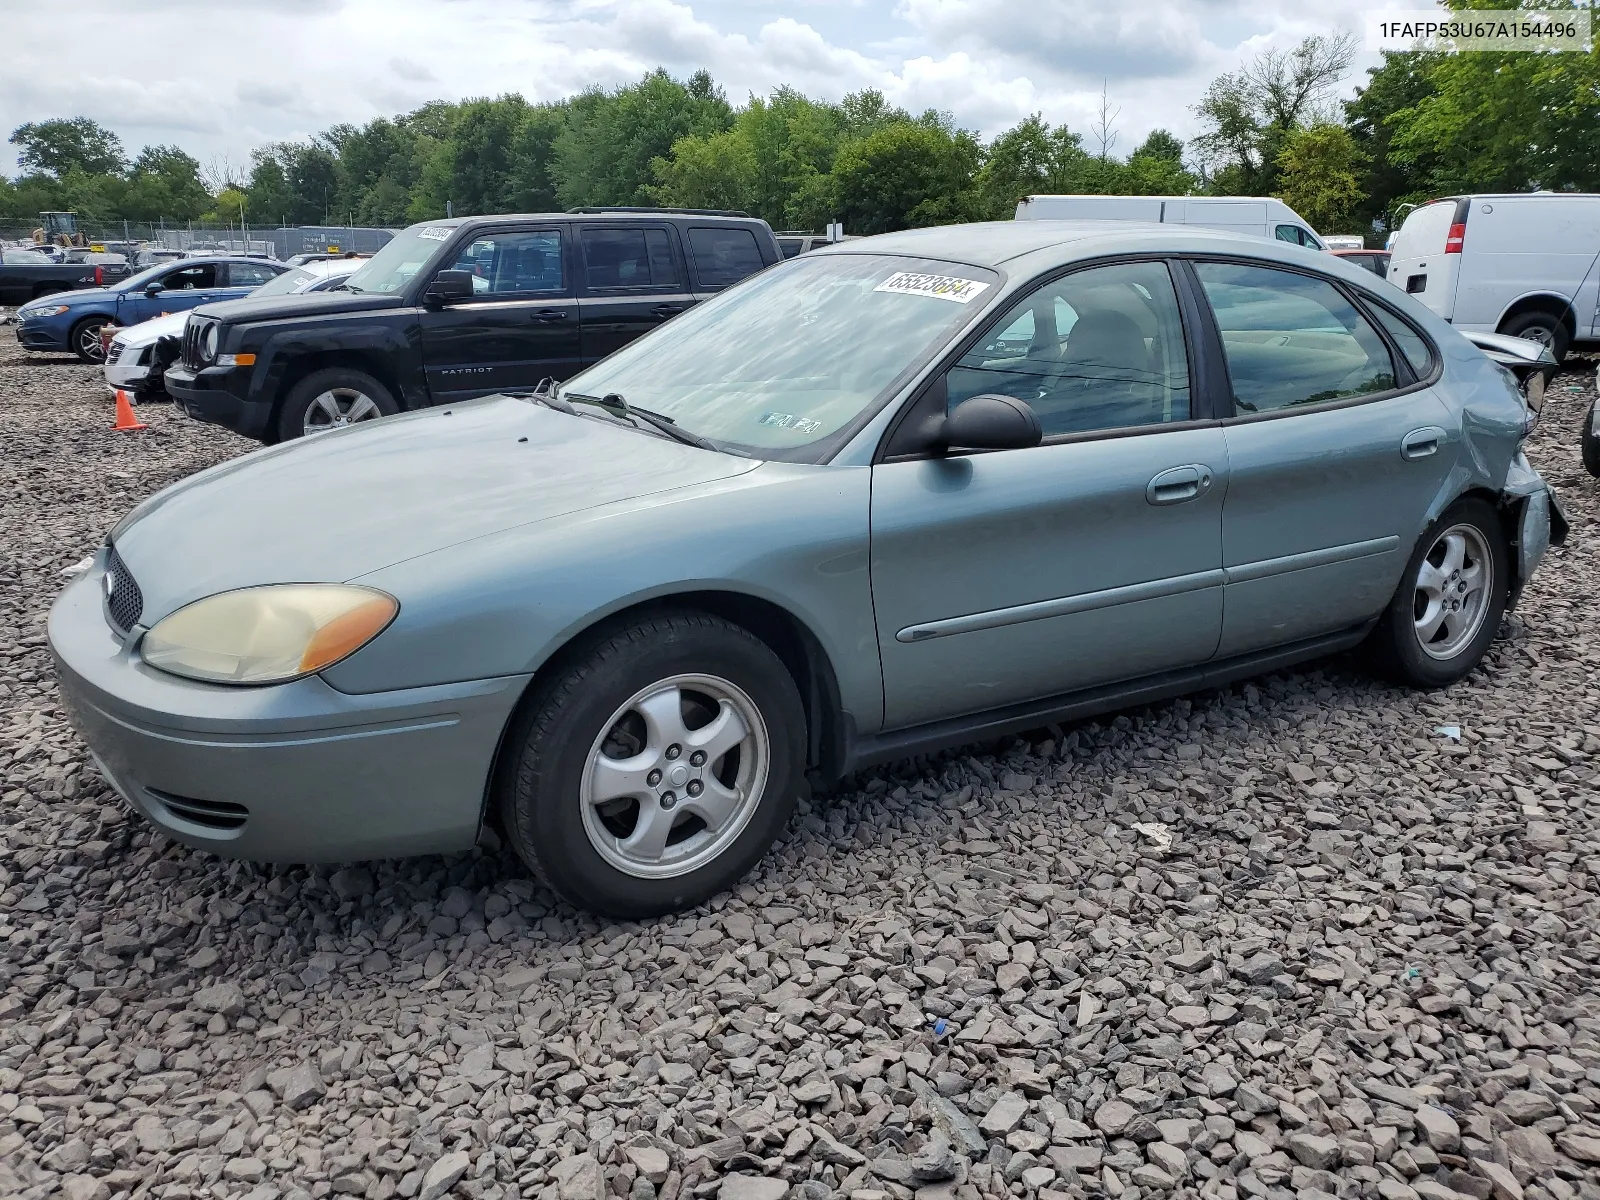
<point>1284,939</point>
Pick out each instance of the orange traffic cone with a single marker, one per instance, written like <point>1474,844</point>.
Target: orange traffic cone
<point>125,417</point>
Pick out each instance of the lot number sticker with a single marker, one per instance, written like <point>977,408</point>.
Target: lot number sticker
<point>434,233</point>
<point>943,287</point>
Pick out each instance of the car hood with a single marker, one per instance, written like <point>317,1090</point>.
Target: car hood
<point>312,304</point>
<point>76,298</point>
<point>146,332</point>
<point>340,505</point>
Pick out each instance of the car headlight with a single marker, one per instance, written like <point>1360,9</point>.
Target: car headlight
<point>208,343</point>
<point>268,634</point>
<point>49,310</point>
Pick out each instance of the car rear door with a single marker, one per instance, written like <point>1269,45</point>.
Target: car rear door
<point>1336,449</point>
<point>245,277</point>
<point>633,280</point>
<point>1425,260</point>
<point>1010,577</point>
<point>521,324</point>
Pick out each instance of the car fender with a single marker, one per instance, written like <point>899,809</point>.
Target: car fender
<point>794,536</point>
<point>1538,294</point>
<point>387,334</point>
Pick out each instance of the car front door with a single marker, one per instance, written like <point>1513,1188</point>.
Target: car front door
<point>182,288</point>
<point>1012,576</point>
<point>633,280</point>
<point>521,324</point>
<point>1335,452</point>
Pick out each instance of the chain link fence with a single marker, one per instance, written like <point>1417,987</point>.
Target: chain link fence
<point>217,237</point>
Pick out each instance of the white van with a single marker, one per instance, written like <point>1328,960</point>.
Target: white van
<point>1259,215</point>
<point>1521,264</point>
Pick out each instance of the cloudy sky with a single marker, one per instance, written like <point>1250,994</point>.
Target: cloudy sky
<point>219,79</point>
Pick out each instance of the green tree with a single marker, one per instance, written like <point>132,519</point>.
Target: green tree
<point>1319,175</point>
<point>1399,84</point>
<point>57,146</point>
<point>604,153</point>
<point>906,174</point>
<point>164,181</point>
<point>1028,159</point>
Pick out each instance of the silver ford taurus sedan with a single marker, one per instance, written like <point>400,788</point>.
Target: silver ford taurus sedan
<point>900,493</point>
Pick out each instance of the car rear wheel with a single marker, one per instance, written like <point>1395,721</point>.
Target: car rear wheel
<point>1591,440</point>
<point>652,771</point>
<point>85,339</point>
<point>333,399</point>
<point>1545,328</point>
<point>1450,600</point>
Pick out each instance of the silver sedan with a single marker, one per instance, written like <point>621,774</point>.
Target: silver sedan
<point>889,496</point>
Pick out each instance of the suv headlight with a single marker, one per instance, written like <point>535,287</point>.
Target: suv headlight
<point>208,342</point>
<point>268,634</point>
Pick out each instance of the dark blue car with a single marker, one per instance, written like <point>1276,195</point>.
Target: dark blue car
<point>72,320</point>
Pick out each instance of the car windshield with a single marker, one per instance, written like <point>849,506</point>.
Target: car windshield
<point>409,251</point>
<point>790,357</point>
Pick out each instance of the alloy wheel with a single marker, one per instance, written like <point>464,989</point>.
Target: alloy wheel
<point>1454,583</point>
<point>89,342</point>
<point>338,407</point>
<point>675,776</point>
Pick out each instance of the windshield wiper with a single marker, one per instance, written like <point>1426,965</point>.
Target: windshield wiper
<point>617,404</point>
<point>545,394</point>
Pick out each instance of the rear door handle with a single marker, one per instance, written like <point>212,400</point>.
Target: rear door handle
<point>548,314</point>
<point>1420,443</point>
<point>1178,484</point>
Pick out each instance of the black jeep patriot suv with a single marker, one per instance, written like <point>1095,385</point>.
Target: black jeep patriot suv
<point>458,308</point>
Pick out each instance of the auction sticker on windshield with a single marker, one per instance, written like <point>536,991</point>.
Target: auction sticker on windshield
<point>435,233</point>
<point>944,287</point>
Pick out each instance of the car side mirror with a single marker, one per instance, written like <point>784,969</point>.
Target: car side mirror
<point>991,422</point>
<point>448,287</point>
<point>154,288</point>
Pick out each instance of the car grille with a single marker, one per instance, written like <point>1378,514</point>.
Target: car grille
<point>114,354</point>
<point>191,343</point>
<point>213,814</point>
<point>124,600</point>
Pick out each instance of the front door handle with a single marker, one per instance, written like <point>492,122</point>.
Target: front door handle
<point>1420,443</point>
<point>1178,484</point>
<point>667,310</point>
<point>548,314</point>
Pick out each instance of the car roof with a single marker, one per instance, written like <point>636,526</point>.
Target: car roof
<point>665,214</point>
<point>994,244</point>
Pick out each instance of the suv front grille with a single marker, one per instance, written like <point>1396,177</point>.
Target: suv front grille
<point>124,600</point>
<point>192,330</point>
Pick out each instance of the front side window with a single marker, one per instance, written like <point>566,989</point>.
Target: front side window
<point>777,367</point>
<point>513,264</point>
<point>1291,339</point>
<point>628,258</point>
<point>188,279</point>
<point>1098,349</point>
<point>724,256</point>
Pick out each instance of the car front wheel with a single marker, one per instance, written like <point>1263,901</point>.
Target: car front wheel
<point>85,339</point>
<point>654,770</point>
<point>1450,599</point>
<point>333,399</point>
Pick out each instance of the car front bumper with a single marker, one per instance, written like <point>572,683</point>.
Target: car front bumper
<point>298,772</point>
<point>37,335</point>
<point>219,396</point>
<point>134,376</point>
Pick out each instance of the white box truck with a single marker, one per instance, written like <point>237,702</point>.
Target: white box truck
<point>1261,216</point>
<point>1522,264</point>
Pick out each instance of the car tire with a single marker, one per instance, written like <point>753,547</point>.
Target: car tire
<point>1591,439</point>
<point>333,398</point>
<point>604,836</point>
<point>1543,327</point>
<point>84,340</point>
<point>1421,640</point>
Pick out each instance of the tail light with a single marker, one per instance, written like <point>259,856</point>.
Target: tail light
<point>1453,239</point>
<point>99,276</point>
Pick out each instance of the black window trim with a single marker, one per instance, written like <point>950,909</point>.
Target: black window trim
<point>679,257</point>
<point>453,252</point>
<point>1202,366</point>
<point>1401,364</point>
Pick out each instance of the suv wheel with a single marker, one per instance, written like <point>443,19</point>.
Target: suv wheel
<point>85,339</point>
<point>1545,328</point>
<point>332,399</point>
<point>1448,606</point>
<point>652,772</point>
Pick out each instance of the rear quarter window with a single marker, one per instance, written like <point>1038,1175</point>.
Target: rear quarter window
<point>724,256</point>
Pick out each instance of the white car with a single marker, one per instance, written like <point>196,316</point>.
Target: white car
<point>1524,265</point>
<point>136,357</point>
<point>1259,216</point>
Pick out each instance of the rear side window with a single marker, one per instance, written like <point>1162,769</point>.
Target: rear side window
<point>1411,342</point>
<point>724,256</point>
<point>628,258</point>
<point>1292,340</point>
<point>243,274</point>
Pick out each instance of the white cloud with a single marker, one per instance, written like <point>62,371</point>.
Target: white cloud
<point>989,62</point>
